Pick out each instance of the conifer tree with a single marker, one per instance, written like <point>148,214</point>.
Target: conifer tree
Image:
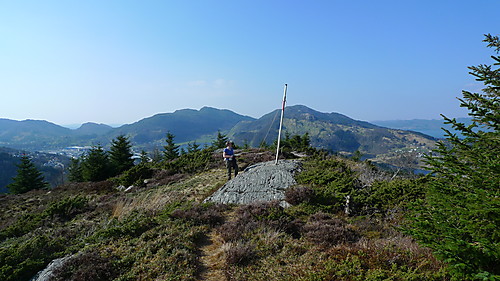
<point>120,155</point>
<point>144,157</point>
<point>221,140</point>
<point>193,147</point>
<point>96,165</point>
<point>460,216</point>
<point>28,177</point>
<point>156,155</point>
<point>171,149</point>
<point>75,170</point>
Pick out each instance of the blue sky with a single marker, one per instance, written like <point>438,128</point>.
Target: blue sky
<point>117,62</point>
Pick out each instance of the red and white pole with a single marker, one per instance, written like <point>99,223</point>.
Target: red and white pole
<point>281,125</point>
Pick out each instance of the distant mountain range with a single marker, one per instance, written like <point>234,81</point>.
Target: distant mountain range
<point>186,125</point>
<point>331,131</point>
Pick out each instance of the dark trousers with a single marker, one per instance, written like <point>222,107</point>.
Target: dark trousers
<point>231,164</point>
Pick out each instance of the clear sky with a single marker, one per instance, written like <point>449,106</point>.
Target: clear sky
<point>117,62</point>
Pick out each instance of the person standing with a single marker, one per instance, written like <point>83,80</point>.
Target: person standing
<point>230,160</point>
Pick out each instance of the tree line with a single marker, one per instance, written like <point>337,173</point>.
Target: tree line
<point>97,164</point>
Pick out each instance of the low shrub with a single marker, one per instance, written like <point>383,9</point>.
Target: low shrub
<point>211,214</point>
<point>331,180</point>
<point>325,230</point>
<point>135,176</point>
<point>386,196</point>
<point>22,259</point>
<point>131,226</point>
<point>253,216</point>
<point>299,194</point>
<point>86,267</point>
<point>237,229</point>
<point>64,209</point>
<point>240,254</point>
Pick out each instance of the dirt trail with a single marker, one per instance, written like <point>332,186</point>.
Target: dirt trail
<point>213,258</point>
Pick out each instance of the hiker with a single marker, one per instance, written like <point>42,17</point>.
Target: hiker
<point>230,159</point>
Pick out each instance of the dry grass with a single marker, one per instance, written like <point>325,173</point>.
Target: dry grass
<point>194,188</point>
<point>213,258</point>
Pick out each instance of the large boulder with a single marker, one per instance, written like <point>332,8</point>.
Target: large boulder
<point>261,182</point>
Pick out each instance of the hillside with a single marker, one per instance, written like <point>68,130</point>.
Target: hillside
<point>148,133</point>
<point>93,129</point>
<point>32,134</point>
<point>331,131</point>
<point>186,124</point>
<point>162,231</point>
<point>334,132</point>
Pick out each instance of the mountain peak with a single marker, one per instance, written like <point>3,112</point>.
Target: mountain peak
<point>91,128</point>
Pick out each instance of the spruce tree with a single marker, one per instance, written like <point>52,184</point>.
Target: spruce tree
<point>460,216</point>
<point>28,177</point>
<point>221,140</point>
<point>144,157</point>
<point>75,170</point>
<point>193,147</point>
<point>171,149</point>
<point>96,165</point>
<point>120,155</point>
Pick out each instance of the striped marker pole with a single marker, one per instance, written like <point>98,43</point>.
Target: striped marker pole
<point>281,125</point>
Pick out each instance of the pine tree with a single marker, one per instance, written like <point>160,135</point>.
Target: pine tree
<point>120,155</point>
<point>460,216</point>
<point>221,140</point>
<point>193,147</point>
<point>144,157</point>
<point>28,177</point>
<point>171,150</point>
<point>156,155</point>
<point>96,165</point>
<point>75,170</point>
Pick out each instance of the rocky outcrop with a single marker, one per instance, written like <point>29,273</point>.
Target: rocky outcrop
<point>46,274</point>
<point>258,183</point>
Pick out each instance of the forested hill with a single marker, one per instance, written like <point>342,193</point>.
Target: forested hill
<point>334,132</point>
<point>185,124</point>
<point>331,131</point>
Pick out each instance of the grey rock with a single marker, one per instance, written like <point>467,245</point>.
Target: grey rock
<point>261,182</point>
<point>46,274</point>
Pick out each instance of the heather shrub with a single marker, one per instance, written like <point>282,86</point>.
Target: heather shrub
<point>131,226</point>
<point>211,214</point>
<point>64,209</point>
<point>299,194</point>
<point>256,230</point>
<point>238,229</point>
<point>325,230</point>
<point>240,253</point>
<point>88,266</point>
